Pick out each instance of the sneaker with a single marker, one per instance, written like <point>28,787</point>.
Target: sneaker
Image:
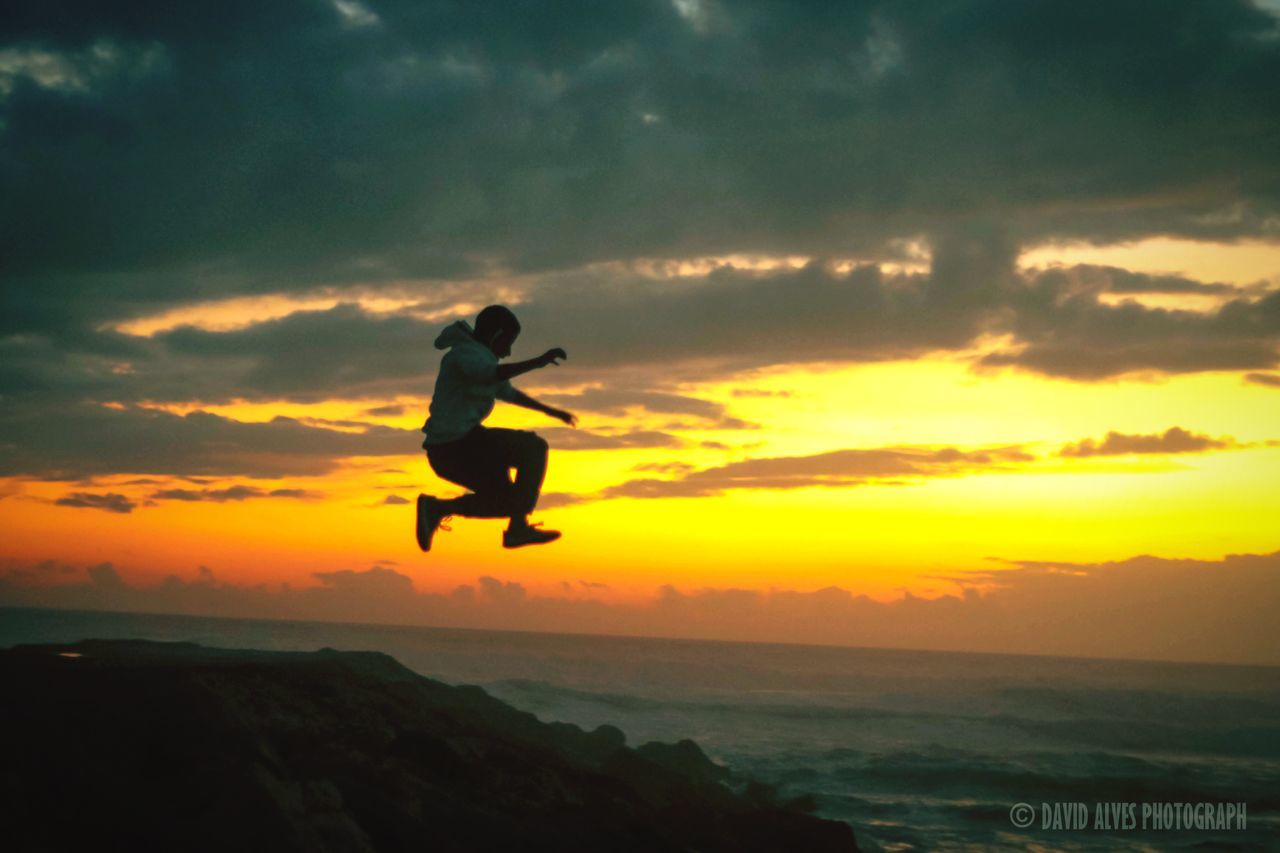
<point>529,534</point>
<point>430,517</point>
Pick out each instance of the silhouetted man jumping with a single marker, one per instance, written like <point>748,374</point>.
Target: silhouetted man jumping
<point>463,451</point>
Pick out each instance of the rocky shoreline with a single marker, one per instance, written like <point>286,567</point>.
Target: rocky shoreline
<point>152,745</point>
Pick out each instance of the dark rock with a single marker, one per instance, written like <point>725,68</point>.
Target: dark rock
<point>149,746</point>
<point>685,758</point>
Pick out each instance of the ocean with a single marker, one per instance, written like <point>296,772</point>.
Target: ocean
<point>916,750</point>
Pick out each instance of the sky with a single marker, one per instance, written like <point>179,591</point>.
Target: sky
<point>912,324</point>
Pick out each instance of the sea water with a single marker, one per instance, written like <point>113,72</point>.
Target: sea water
<point>916,750</point>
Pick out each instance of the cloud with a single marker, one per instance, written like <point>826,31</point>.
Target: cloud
<point>619,401</point>
<point>42,572</point>
<point>356,15</point>
<point>331,180</point>
<point>834,469</point>
<point>232,493</point>
<point>715,324</point>
<point>309,355</point>
<point>1173,440</point>
<point>1271,380</point>
<point>293,493</point>
<point>84,72</point>
<point>555,500</point>
<point>1065,331</point>
<point>375,581</point>
<point>564,438</point>
<point>710,328</point>
<point>104,576</point>
<point>1109,279</point>
<point>665,467</point>
<point>111,502</point>
<point>385,411</point>
<point>501,593</point>
<point>759,392</point>
<point>1144,607</point>
<point>84,441</point>
<point>735,319</point>
<point>333,172</point>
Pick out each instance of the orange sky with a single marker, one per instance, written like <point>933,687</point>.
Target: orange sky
<point>881,537</point>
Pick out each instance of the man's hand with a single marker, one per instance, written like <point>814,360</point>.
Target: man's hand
<point>552,356</point>
<point>561,415</point>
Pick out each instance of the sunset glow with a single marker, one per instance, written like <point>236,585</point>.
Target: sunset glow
<point>861,326</point>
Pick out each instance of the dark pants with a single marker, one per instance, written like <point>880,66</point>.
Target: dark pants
<point>482,461</point>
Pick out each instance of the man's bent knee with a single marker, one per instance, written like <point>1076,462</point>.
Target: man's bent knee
<point>534,446</point>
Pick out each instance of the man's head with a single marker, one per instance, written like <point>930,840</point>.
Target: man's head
<point>497,328</point>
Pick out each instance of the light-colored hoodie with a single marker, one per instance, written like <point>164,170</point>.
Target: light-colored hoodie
<point>466,386</point>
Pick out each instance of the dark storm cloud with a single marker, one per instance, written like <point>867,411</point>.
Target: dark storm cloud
<point>241,147</point>
<point>1172,440</point>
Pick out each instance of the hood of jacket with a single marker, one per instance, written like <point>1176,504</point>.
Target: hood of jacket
<point>454,334</point>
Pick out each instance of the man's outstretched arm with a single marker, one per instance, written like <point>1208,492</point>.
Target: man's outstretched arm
<point>510,371</point>
<point>523,400</point>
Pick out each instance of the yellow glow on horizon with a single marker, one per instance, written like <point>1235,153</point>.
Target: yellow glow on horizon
<point>876,539</point>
